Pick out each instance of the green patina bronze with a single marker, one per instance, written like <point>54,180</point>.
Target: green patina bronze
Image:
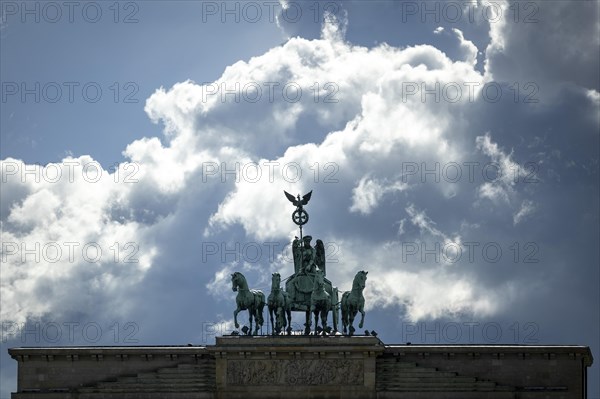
<point>280,304</point>
<point>247,299</point>
<point>354,302</point>
<point>306,290</point>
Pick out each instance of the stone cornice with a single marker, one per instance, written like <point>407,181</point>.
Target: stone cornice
<point>101,352</point>
<point>574,351</point>
<point>297,344</point>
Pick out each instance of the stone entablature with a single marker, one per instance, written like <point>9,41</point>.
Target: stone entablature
<point>502,371</point>
<point>303,367</point>
<point>64,371</point>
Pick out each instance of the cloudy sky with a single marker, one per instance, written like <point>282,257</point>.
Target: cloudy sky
<point>452,149</point>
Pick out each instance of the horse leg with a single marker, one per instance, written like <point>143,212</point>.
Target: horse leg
<point>257,321</point>
<point>280,320</point>
<point>250,314</point>
<point>271,317</point>
<point>351,314</point>
<point>344,318</point>
<point>307,324</point>
<point>235,313</point>
<point>281,317</point>
<point>259,318</point>
<point>335,317</point>
<point>324,321</point>
<point>289,322</point>
<point>316,313</point>
<point>362,313</point>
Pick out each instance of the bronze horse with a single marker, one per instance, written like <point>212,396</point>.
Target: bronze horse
<point>354,301</point>
<point>320,303</point>
<point>247,299</point>
<point>279,303</point>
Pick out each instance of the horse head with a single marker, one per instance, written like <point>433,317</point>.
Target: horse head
<point>360,279</point>
<point>275,280</point>
<point>234,280</point>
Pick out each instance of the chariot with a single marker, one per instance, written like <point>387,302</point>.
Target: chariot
<point>300,286</point>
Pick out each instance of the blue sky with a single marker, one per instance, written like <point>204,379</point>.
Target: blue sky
<point>452,149</point>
